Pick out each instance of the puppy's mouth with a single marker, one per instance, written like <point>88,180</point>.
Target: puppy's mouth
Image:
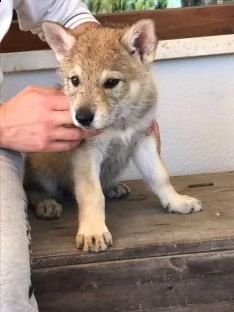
<point>90,128</point>
<point>92,123</point>
<point>86,128</point>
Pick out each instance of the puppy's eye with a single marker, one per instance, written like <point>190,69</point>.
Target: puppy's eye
<point>75,81</point>
<point>111,83</point>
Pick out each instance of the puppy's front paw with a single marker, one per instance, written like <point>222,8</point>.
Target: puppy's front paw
<point>49,209</point>
<point>117,191</point>
<point>93,240</point>
<point>183,204</point>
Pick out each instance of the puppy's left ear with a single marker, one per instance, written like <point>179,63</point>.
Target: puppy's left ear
<point>58,38</point>
<point>141,41</point>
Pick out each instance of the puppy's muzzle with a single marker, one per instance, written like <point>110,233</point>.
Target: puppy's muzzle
<point>84,116</point>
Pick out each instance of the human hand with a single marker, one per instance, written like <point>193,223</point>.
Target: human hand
<point>154,129</point>
<point>35,121</point>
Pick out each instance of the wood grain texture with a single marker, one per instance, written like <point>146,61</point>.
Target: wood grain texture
<point>141,228</point>
<point>171,24</point>
<point>160,262</point>
<point>178,283</point>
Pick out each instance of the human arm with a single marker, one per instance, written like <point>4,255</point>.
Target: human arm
<point>78,19</point>
<point>29,121</point>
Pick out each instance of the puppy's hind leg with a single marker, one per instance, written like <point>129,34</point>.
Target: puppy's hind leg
<point>150,165</point>
<point>111,170</point>
<point>43,203</point>
<point>116,191</point>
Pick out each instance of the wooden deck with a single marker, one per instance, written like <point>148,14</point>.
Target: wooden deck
<point>159,262</point>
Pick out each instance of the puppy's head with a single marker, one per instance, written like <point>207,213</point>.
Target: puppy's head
<point>105,72</point>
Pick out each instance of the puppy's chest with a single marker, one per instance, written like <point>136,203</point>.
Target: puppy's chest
<point>116,157</point>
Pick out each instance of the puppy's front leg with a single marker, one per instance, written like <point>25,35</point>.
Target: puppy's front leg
<point>150,165</point>
<point>93,234</point>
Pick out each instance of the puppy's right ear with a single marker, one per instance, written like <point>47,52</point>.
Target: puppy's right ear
<point>58,38</point>
<point>141,41</point>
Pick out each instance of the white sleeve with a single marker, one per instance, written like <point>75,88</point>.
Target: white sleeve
<point>6,9</point>
<point>69,13</point>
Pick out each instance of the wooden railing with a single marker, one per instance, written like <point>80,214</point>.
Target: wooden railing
<point>170,23</point>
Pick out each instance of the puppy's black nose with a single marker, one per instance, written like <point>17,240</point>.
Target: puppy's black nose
<point>84,116</point>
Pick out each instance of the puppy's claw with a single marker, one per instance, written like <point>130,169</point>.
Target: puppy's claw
<point>118,191</point>
<point>49,209</point>
<point>108,238</point>
<point>95,242</point>
<point>183,204</point>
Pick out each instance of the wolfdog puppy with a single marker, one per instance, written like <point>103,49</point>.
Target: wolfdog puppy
<point>106,77</point>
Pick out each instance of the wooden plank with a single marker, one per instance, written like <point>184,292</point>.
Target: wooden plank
<point>216,307</point>
<point>141,228</point>
<point>171,24</point>
<point>178,283</point>
<point>182,23</point>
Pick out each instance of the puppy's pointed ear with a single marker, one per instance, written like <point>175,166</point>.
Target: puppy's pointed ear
<point>58,38</point>
<point>141,41</point>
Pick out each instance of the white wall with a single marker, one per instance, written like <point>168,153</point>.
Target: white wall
<point>195,111</point>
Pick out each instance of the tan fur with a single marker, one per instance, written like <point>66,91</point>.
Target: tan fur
<point>124,112</point>
<point>96,53</point>
<point>51,164</point>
